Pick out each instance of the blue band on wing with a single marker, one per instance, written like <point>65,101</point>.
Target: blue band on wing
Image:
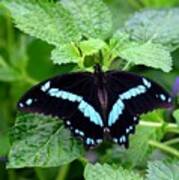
<point>117,109</point>
<point>119,105</point>
<point>83,106</point>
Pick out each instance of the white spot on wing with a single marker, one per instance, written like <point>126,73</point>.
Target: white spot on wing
<point>46,86</point>
<point>124,138</point>
<point>76,131</point>
<point>120,140</point>
<point>135,118</point>
<point>146,83</point>
<point>169,99</point>
<point>21,105</point>
<point>89,141</point>
<point>162,97</point>
<point>99,141</point>
<point>127,130</point>
<point>68,122</point>
<point>81,133</point>
<point>29,102</point>
<point>115,140</point>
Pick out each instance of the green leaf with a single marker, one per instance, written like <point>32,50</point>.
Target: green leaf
<point>157,26</point>
<point>48,21</point>
<point>149,54</point>
<point>41,141</point>
<point>152,55</point>
<point>158,170</point>
<point>8,74</point>
<point>91,46</point>
<point>176,115</point>
<point>66,53</point>
<point>98,172</point>
<point>93,17</point>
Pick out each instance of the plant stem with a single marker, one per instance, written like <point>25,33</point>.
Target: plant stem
<point>63,172</point>
<point>172,129</point>
<point>169,127</point>
<point>126,67</point>
<point>164,148</point>
<point>172,141</point>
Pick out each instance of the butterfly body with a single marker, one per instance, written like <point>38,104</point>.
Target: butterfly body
<point>102,94</point>
<point>96,106</point>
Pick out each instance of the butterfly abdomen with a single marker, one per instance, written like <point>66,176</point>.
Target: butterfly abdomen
<point>103,100</point>
<point>102,94</point>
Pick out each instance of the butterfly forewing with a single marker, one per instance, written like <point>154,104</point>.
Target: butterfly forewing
<point>131,95</point>
<point>70,97</point>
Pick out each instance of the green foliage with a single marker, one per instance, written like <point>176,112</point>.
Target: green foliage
<point>163,171</point>
<point>157,26</point>
<point>148,53</point>
<point>81,33</point>
<point>66,53</point>
<point>139,150</point>
<point>41,141</point>
<point>92,17</point>
<point>92,46</point>
<point>64,23</point>
<point>97,171</point>
<point>42,19</point>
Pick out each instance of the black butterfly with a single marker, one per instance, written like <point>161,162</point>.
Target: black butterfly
<point>97,105</point>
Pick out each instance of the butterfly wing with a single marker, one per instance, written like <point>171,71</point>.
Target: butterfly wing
<point>131,95</point>
<point>70,97</point>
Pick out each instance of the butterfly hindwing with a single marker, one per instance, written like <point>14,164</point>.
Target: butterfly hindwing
<point>131,95</point>
<point>70,97</point>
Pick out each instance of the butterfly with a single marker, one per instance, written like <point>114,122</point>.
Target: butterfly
<point>97,106</point>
